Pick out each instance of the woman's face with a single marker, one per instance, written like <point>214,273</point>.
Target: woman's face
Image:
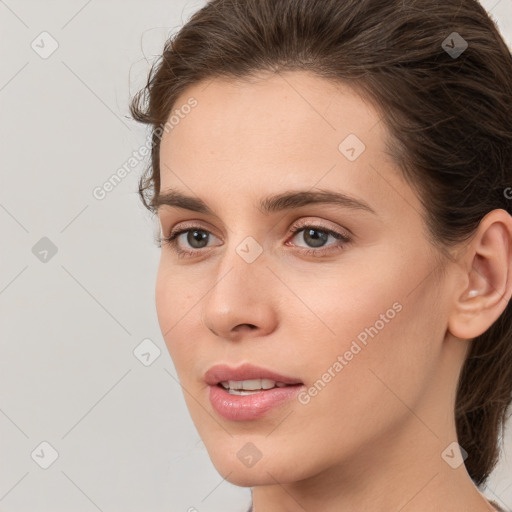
<point>358,325</point>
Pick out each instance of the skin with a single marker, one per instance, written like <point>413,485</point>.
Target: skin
<point>372,438</point>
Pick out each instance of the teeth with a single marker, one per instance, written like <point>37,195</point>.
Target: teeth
<point>243,392</point>
<point>251,385</point>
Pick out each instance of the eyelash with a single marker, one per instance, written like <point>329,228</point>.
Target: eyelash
<point>342,238</point>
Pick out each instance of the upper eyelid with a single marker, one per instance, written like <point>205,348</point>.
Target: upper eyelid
<point>297,227</point>
<point>302,223</point>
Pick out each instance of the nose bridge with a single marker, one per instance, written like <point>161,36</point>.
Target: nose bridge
<point>240,270</point>
<point>242,254</point>
<point>238,294</point>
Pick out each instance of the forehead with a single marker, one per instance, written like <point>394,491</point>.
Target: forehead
<point>288,130</point>
<point>274,109</point>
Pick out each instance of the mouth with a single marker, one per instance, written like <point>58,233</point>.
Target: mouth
<point>248,392</point>
<point>251,386</point>
<point>247,377</point>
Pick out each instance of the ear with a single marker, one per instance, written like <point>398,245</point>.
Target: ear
<point>485,277</point>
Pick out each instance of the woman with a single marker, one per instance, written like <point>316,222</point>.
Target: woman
<point>332,180</point>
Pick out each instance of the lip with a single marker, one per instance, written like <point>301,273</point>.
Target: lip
<point>253,406</point>
<point>223,372</point>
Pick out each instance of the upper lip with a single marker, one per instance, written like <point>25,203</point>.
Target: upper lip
<point>223,372</point>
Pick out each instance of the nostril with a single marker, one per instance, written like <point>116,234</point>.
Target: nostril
<point>243,327</point>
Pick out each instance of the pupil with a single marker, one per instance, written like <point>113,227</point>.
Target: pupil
<point>315,239</point>
<point>192,238</point>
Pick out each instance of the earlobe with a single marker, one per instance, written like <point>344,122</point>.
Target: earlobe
<point>486,271</point>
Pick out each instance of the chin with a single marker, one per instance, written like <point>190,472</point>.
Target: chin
<point>247,478</point>
<point>251,477</point>
<point>245,468</point>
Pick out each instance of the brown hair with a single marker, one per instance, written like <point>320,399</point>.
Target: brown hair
<point>449,120</point>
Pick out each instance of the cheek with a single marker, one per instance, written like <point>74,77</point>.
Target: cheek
<point>166,300</point>
<point>342,302</point>
<point>177,293</point>
<point>176,305</point>
<point>376,319</point>
<point>387,344</point>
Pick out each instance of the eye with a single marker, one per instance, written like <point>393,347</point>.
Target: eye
<point>315,235</point>
<point>195,236</point>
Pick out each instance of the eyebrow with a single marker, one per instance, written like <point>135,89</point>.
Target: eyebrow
<point>275,203</point>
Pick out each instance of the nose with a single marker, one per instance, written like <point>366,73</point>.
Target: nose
<point>241,302</point>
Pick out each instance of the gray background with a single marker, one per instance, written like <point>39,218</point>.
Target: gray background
<point>70,323</point>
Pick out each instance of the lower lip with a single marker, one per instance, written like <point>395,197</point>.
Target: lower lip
<point>249,407</point>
